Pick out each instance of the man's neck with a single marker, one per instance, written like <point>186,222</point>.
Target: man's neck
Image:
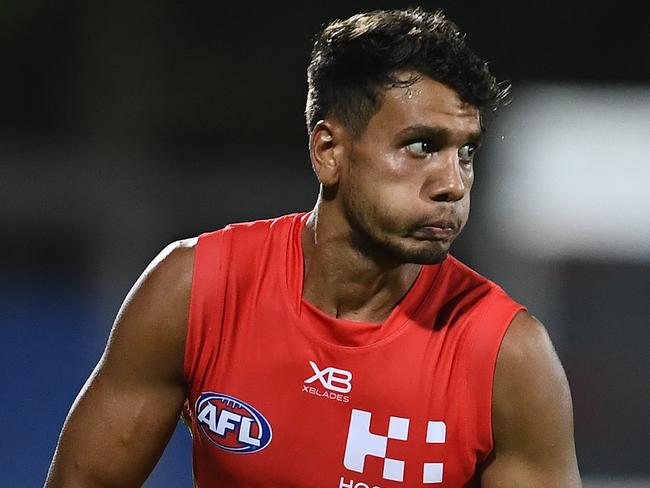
<point>344,282</point>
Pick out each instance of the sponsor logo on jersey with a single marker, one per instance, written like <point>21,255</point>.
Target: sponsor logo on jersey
<point>336,382</point>
<point>362,442</point>
<point>344,483</point>
<point>232,424</point>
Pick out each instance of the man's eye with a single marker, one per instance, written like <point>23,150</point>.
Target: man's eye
<point>466,152</point>
<point>420,148</point>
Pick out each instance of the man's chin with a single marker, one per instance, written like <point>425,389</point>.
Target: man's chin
<point>429,257</point>
<point>410,251</point>
<point>424,255</point>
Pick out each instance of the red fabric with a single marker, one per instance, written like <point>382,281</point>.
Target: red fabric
<point>252,337</point>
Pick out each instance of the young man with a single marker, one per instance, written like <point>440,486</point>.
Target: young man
<point>342,347</point>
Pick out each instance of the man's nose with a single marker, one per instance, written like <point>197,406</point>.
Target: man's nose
<point>445,182</point>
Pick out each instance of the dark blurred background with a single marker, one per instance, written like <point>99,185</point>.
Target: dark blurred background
<point>127,125</point>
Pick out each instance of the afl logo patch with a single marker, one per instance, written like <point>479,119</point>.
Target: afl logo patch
<point>232,424</point>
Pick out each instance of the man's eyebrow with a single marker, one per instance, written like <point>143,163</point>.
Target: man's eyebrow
<point>438,133</point>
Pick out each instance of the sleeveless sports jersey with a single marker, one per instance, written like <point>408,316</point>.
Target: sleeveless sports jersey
<point>283,395</point>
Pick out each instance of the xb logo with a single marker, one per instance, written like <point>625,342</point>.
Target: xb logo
<point>331,378</point>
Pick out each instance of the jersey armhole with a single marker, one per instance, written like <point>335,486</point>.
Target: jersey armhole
<point>483,347</point>
<point>209,277</point>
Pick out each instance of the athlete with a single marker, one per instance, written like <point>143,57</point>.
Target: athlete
<point>345,346</point>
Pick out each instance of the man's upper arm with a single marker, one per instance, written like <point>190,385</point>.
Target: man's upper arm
<point>126,412</point>
<point>532,414</point>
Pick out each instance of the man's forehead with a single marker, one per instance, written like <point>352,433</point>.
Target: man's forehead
<point>418,88</point>
<point>425,101</point>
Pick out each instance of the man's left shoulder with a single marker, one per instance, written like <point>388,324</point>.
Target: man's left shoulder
<point>532,413</point>
<point>527,351</point>
<point>530,383</point>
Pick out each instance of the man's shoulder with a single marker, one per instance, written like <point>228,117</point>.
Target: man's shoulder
<point>250,229</point>
<point>240,249</point>
<point>171,269</point>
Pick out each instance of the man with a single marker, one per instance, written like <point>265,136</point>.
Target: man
<point>342,347</point>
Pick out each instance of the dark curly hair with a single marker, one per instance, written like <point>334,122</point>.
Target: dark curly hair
<point>355,60</point>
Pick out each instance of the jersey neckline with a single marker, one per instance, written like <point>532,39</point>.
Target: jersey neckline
<point>341,332</point>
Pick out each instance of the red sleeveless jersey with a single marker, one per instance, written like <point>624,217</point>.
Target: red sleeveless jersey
<point>283,395</point>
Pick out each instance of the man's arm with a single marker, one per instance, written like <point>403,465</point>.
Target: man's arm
<point>126,412</point>
<point>532,414</point>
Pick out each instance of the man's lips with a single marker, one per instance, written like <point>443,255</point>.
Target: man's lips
<point>437,230</point>
<point>441,224</point>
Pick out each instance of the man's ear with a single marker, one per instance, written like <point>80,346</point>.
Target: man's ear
<point>326,150</point>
